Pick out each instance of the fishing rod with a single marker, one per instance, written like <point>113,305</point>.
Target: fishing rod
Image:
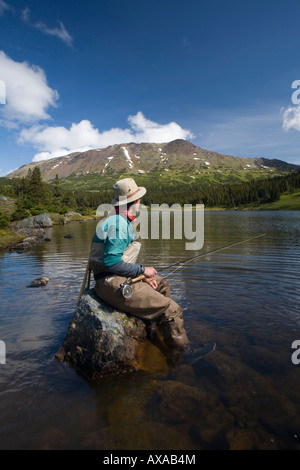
<point>126,289</point>
<point>182,263</point>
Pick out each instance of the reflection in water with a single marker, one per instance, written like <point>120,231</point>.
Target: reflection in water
<point>243,396</point>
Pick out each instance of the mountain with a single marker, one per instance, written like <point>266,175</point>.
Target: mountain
<point>178,159</point>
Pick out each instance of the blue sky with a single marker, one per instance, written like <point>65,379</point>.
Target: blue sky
<point>79,75</point>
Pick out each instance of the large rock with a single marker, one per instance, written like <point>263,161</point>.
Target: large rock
<point>32,230</point>
<point>74,216</point>
<point>26,244</point>
<point>38,221</point>
<point>31,237</point>
<point>102,340</point>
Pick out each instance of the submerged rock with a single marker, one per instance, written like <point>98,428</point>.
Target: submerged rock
<point>102,340</point>
<point>166,402</point>
<point>40,281</point>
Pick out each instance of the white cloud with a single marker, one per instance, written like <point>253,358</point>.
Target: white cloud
<point>4,7</point>
<point>59,31</point>
<point>57,141</point>
<point>149,131</point>
<point>291,118</point>
<point>25,15</point>
<point>27,94</point>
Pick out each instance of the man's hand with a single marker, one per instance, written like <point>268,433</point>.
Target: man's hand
<point>149,273</point>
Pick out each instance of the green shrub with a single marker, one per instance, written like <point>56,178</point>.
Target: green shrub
<point>20,213</point>
<point>4,220</point>
<point>39,209</point>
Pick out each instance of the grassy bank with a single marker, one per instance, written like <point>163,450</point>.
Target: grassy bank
<point>286,202</point>
<point>59,219</point>
<point>8,238</point>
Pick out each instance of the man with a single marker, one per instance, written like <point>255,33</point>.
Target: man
<point>113,260</point>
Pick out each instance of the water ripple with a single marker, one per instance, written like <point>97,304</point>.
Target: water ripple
<point>246,298</point>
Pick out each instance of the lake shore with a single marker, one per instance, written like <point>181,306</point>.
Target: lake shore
<point>9,238</point>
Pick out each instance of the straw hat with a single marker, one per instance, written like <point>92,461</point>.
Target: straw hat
<point>125,191</point>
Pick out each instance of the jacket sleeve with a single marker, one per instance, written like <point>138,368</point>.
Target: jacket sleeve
<point>126,269</point>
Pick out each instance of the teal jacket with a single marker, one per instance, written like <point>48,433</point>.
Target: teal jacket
<point>116,233</point>
<point>112,237</point>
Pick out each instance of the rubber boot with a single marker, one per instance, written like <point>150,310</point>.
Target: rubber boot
<point>190,355</point>
<point>195,352</point>
<point>173,331</point>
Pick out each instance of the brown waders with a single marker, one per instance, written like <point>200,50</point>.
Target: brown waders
<point>148,304</point>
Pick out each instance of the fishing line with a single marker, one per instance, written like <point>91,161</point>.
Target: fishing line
<point>180,264</point>
<point>126,288</point>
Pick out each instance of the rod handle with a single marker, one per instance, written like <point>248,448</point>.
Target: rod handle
<point>136,279</point>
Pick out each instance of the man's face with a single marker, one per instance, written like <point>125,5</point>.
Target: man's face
<point>135,207</point>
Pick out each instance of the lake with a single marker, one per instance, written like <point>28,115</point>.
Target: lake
<point>245,395</point>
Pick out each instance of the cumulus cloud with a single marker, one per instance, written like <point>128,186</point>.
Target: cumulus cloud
<point>28,95</point>
<point>149,131</point>
<point>59,31</point>
<point>58,141</point>
<point>291,118</point>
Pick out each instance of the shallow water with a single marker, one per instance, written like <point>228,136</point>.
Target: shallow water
<point>243,396</point>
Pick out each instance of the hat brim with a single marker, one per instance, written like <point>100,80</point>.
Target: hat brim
<point>138,195</point>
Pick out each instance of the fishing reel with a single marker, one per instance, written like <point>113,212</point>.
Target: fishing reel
<point>126,289</point>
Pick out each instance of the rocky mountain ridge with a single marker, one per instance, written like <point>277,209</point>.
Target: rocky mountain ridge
<point>131,158</point>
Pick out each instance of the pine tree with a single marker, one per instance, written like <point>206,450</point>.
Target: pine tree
<point>57,188</point>
<point>36,185</point>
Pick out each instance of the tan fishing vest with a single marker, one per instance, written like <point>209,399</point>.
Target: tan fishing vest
<point>129,256</point>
